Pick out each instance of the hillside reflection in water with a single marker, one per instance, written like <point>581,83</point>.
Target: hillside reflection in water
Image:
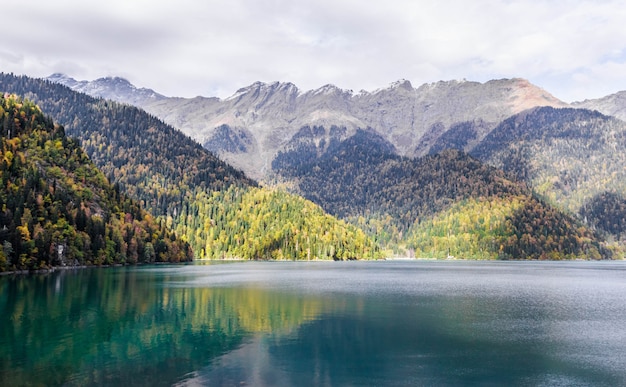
<point>280,323</point>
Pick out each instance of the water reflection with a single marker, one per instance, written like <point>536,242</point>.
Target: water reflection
<point>282,324</point>
<point>410,344</point>
<point>126,327</point>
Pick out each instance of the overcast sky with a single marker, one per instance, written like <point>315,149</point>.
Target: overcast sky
<point>573,49</point>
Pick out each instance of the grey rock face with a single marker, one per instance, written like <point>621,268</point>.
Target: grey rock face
<point>611,105</point>
<point>113,88</point>
<point>258,121</point>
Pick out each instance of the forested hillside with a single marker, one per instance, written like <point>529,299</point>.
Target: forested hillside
<point>438,205</point>
<point>574,158</point>
<point>58,209</point>
<point>148,159</point>
<point>259,223</point>
<point>170,174</point>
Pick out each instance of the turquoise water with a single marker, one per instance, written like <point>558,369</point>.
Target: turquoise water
<point>322,323</point>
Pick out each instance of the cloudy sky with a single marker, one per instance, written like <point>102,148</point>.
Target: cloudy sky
<point>575,49</point>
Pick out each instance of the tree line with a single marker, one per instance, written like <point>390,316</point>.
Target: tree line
<point>443,204</point>
<point>168,173</point>
<point>58,209</point>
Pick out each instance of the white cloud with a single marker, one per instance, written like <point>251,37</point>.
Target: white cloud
<point>574,49</point>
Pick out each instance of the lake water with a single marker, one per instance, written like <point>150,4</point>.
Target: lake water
<point>320,324</point>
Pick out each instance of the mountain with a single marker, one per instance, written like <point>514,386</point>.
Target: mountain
<point>113,88</point>
<point>58,209</point>
<point>574,158</point>
<point>187,187</point>
<point>249,128</point>
<point>272,224</point>
<point>373,158</point>
<point>433,206</point>
<point>150,160</point>
<point>611,105</point>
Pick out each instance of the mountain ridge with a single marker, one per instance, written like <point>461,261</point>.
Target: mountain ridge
<point>58,209</point>
<point>214,207</point>
<point>412,119</point>
<point>403,202</point>
<point>610,105</point>
<point>114,88</point>
<point>433,206</point>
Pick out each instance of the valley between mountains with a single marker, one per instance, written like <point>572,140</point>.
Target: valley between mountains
<point>495,170</point>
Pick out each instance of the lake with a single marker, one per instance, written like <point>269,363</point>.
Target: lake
<point>395,323</point>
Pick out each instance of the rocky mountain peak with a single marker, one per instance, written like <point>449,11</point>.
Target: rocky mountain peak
<point>402,84</point>
<point>62,79</point>
<point>329,90</point>
<point>261,92</point>
<point>612,105</point>
<point>525,95</point>
<point>117,82</point>
<point>114,88</point>
<point>267,115</point>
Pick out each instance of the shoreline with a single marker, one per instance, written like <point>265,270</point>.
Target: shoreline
<point>57,268</point>
<point>400,259</point>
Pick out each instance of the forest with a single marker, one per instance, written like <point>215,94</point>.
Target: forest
<point>58,209</point>
<point>180,183</point>
<point>447,204</point>
<point>270,224</point>
<point>439,205</point>
<point>573,158</point>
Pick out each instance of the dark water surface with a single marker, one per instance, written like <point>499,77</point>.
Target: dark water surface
<point>324,323</point>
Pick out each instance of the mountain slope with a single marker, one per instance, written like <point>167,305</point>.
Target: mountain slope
<point>567,155</point>
<point>150,160</point>
<point>59,210</point>
<point>572,157</point>
<point>358,175</point>
<point>173,176</point>
<point>439,205</point>
<point>266,116</point>
<point>611,105</point>
<point>113,88</point>
<point>261,223</point>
